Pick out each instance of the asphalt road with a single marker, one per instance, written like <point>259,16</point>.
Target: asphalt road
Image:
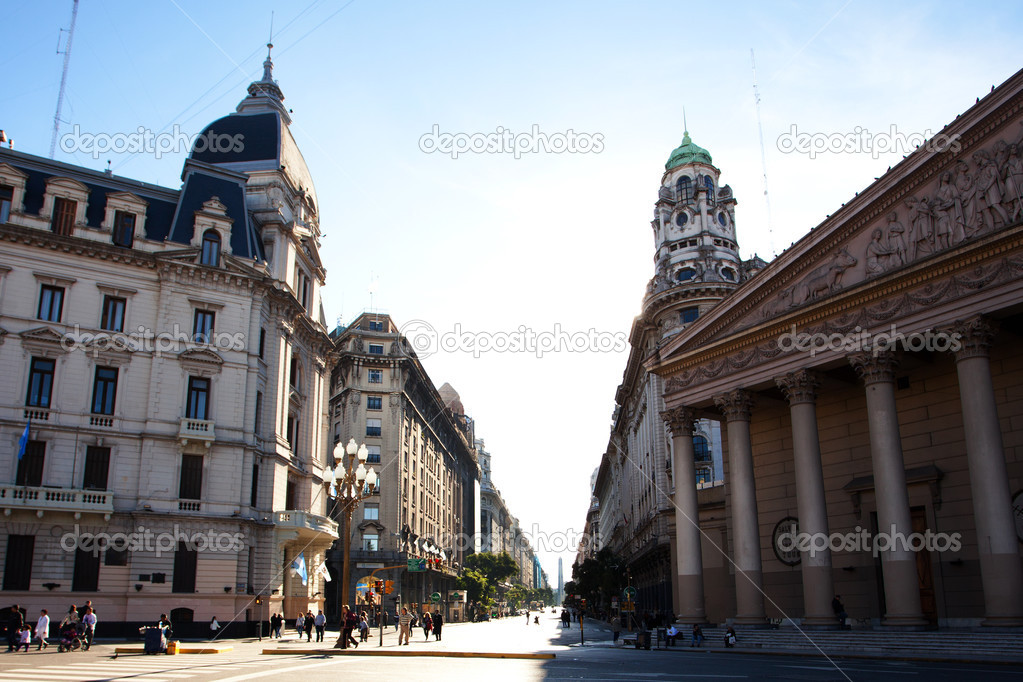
<point>595,662</point>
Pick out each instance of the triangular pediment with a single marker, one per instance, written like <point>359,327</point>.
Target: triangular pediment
<point>945,198</point>
<point>201,356</point>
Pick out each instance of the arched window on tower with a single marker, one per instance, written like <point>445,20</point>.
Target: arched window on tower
<point>684,189</point>
<point>210,248</point>
<point>709,183</point>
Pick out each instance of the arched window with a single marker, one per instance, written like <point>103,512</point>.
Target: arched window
<point>685,274</point>
<point>684,189</point>
<point>701,449</point>
<point>728,273</point>
<point>709,183</point>
<point>210,248</point>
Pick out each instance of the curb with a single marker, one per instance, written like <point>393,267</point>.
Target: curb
<point>216,649</point>
<point>391,652</point>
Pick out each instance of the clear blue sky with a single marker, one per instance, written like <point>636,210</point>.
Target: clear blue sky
<point>489,241</point>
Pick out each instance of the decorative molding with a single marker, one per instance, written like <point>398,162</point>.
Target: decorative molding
<point>680,420</point>
<point>799,386</point>
<point>875,368</point>
<point>736,405</point>
<point>975,336</point>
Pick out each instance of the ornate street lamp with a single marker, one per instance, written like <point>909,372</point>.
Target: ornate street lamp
<point>351,484</point>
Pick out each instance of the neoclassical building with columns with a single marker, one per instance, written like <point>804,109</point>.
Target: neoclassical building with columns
<point>869,386</point>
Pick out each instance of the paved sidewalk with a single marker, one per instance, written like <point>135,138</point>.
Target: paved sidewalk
<point>971,646</point>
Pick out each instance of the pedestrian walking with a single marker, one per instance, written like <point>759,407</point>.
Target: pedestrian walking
<point>320,622</point>
<point>438,623</point>
<point>404,623</point>
<point>349,621</point>
<point>300,625</point>
<point>307,626</point>
<point>363,627</point>
<point>397,617</point>
<point>839,608</point>
<point>214,628</point>
<point>14,622</point>
<point>89,621</point>
<point>24,638</point>
<point>42,629</point>
<point>427,623</point>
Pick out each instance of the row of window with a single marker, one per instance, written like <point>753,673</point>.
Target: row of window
<point>62,222</point>
<point>685,188</point>
<point>104,389</point>
<point>85,576</point>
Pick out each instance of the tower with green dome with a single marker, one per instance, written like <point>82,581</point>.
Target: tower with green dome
<point>696,253</point>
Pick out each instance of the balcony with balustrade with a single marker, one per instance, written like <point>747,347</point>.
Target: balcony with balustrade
<point>42,500</point>
<point>308,526</point>
<point>200,430</point>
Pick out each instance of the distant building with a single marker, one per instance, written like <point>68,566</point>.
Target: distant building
<point>422,444</point>
<point>697,264</point>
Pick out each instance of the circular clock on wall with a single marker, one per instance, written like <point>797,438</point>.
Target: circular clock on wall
<point>783,541</point>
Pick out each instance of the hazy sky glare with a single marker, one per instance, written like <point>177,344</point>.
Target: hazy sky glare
<point>491,242</point>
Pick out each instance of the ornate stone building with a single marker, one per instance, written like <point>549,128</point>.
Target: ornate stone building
<point>868,383</point>
<point>166,363</point>
<point>422,444</point>
<point>697,265</point>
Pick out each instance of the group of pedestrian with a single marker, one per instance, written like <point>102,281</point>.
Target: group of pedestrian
<point>431,624</point>
<point>20,633</point>
<point>305,624</point>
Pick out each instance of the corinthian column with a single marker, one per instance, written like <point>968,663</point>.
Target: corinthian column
<point>687,516</point>
<point>1000,569</point>
<point>800,389</point>
<point>898,563</point>
<point>749,596</point>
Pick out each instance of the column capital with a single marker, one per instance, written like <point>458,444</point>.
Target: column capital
<point>799,386</point>
<point>680,420</point>
<point>736,405</point>
<point>875,368</point>
<point>973,337</point>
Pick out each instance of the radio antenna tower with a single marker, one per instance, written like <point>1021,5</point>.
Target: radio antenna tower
<point>63,76</point>
<point>763,156</point>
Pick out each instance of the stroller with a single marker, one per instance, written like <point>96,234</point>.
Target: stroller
<point>72,637</point>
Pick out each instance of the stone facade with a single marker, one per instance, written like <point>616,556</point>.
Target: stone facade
<point>836,433</point>
<point>167,349</point>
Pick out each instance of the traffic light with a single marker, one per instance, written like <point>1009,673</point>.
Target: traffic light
<point>380,585</point>
<point>259,600</point>
<point>388,586</point>
<point>370,598</point>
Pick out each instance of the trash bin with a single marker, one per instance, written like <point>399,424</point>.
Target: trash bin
<point>172,647</point>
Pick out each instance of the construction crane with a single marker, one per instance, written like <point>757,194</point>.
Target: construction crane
<point>63,77</point>
<point>763,156</point>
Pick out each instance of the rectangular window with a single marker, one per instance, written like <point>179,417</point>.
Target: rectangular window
<point>97,468</point>
<point>370,542</point>
<point>376,326</point>
<point>373,427</point>
<point>124,228</point>
<point>289,495</point>
<point>185,563</point>
<point>689,315</point>
<point>202,326</point>
<point>374,454</point>
<point>198,398</point>
<point>292,434</point>
<point>112,317</point>
<point>376,349</point>
<point>6,199</point>
<point>104,387</point>
<point>86,573</point>
<point>374,402</point>
<point>190,485</point>
<point>115,557</point>
<point>18,563</point>
<point>371,512</point>
<point>258,421</point>
<point>63,221</point>
<point>51,303</point>
<point>262,342</point>
<point>376,376</point>
<point>254,493</point>
<point>30,466</point>
<point>40,382</point>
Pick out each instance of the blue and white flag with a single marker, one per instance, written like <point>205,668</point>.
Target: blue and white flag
<point>298,565</point>
<point>23,441</point>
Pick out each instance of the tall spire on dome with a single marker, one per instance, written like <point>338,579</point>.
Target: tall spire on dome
<point>268,65</point>
<point>265,94</point>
